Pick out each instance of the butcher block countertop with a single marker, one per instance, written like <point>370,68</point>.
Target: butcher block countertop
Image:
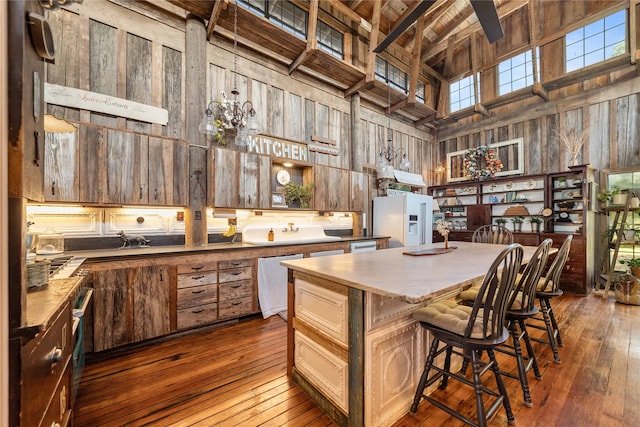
<point>414,279</point>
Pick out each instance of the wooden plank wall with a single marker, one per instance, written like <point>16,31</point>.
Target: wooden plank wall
<point>106,48</point>
<point>613,126</point>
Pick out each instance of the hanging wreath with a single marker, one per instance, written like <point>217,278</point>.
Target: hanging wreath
<point>482,163</point>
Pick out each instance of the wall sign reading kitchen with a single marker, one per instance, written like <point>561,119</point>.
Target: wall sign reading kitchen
<point>279,148</point>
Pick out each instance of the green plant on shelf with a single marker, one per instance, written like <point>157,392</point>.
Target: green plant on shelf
<point>295,193</point>
<point>633,262</point>
<point>606,195</point>
<point>535,220</point>
<point>501,221</point>
<point>517,220</point>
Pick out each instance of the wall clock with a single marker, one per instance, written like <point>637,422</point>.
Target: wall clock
<point>283,177</point>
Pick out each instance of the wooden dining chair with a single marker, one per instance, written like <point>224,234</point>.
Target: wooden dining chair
<point>492,233</point>
<point>471,330</point>
<point>547,289</point>
<point>521,307</point>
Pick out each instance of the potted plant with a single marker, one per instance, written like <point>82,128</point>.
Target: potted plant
<point>535,224</point>
<point>606,195</point>
<point>634,266</point>
<point>517,223</point>
<point>298,195</point>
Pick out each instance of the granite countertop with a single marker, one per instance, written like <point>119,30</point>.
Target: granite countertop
<point>413,279</point>
<point>104,254</point>
<point>43,305</point>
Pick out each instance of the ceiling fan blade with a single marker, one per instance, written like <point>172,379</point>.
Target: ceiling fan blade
<point>402,26</point>
<point>489,19</point>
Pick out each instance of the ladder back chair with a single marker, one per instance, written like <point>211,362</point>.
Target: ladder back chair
<point>492,233</point>
<point>471,330</point>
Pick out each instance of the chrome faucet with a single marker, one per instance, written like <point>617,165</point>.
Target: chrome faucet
<point>290,228</point>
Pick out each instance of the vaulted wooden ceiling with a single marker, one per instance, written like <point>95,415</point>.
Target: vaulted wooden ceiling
<point>427,50</point>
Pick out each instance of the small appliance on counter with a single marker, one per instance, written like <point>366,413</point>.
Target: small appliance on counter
<point>49,243</point>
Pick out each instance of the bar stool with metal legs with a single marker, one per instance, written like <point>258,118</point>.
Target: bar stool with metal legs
<point>549,288</point>
<point>472,330</point>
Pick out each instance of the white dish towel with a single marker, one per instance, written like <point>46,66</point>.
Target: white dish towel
<point>272,284</point>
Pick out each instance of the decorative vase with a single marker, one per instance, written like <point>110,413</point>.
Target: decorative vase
<point>619,199</point>
<point>635,271</point>
<point>446,241</point>
<point>517,226</point>
<point>535,227</point>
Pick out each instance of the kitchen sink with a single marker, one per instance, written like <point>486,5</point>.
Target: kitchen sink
<point>282,235</point>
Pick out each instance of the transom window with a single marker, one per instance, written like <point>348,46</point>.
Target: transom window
<point>330,40</point>
<point>515,73</point>
<point>461,94</point>
<point>596,42</point>
<point>391,75</point>
<point>290,17</point>
<point>421,92</point>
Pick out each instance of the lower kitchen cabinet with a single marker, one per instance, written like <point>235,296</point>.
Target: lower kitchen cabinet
<point>130,304</point>
<point>46,375</point>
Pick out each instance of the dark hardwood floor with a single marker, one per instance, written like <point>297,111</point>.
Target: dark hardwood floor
<point>236,376</point>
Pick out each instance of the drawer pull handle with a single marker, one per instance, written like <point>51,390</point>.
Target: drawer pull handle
<point>236,263</point>
<point>197,277</point>
<point>199,291</point>
<point>198,311</point>
<point>236,286</point>
<point>235,273</point>
<point>236,303</point>
<point>55,356</point>
<point>198,268</point>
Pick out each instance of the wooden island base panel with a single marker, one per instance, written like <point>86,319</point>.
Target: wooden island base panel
<point>352,343</point>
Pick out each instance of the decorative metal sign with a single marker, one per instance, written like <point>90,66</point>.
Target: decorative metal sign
<point>279,148</point>
<point>93,101</point>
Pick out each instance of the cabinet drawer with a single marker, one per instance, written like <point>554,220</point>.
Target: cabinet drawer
<point>59,411</point>
<point>195,316</point>
<point>235,290</point>
<point>44,362</point>
<point>197,295</point>
<point>234,274</point>
<point>197,264</point>
<point>234,263</point>
<point>235,308</point>
<point>197,279</point>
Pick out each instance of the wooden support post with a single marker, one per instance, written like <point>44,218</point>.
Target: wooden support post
<point>196,79</point>
<point>357,144</point>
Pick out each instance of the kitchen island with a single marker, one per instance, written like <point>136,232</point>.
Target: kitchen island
<point>352,343</point>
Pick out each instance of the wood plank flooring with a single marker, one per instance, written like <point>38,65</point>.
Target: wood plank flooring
<point>236,376</point>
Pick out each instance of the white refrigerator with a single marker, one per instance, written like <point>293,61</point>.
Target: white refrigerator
<point>405,218</point>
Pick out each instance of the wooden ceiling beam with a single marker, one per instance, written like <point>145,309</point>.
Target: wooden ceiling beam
<point>312,41</point>
<point>349,13</point>
<point>218,6</point>
<point>373,41</point>
<point>415,60</point>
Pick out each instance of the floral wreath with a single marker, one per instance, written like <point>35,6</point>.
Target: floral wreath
<point>472,160</point>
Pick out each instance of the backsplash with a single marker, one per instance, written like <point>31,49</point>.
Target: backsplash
<point>97,228</point>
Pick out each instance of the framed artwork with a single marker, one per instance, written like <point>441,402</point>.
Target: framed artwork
<point>277,200</point>
<point>510,152</point>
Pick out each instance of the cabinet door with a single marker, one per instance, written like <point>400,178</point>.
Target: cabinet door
<point>168,172</point>
<point>127,168</point>
<point>61,167</point>
<point>72,166</point>
<point>332,188</point>
<point>241,180</point>
<point>112,307</point>
<point>225,180</point>
<point>359,200</point>
<point>151,301</point>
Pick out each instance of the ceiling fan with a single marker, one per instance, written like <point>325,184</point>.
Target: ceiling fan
<point>485,11</point>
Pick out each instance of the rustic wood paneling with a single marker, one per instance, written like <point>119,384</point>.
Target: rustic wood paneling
<point>293,125</point>
<point>599,135</point>
<point>103,66</point>
<point>172,91</point>
<point>91,175</point>
<point>628,114</point>
<point>275,112</point>
<point>139,77</point>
